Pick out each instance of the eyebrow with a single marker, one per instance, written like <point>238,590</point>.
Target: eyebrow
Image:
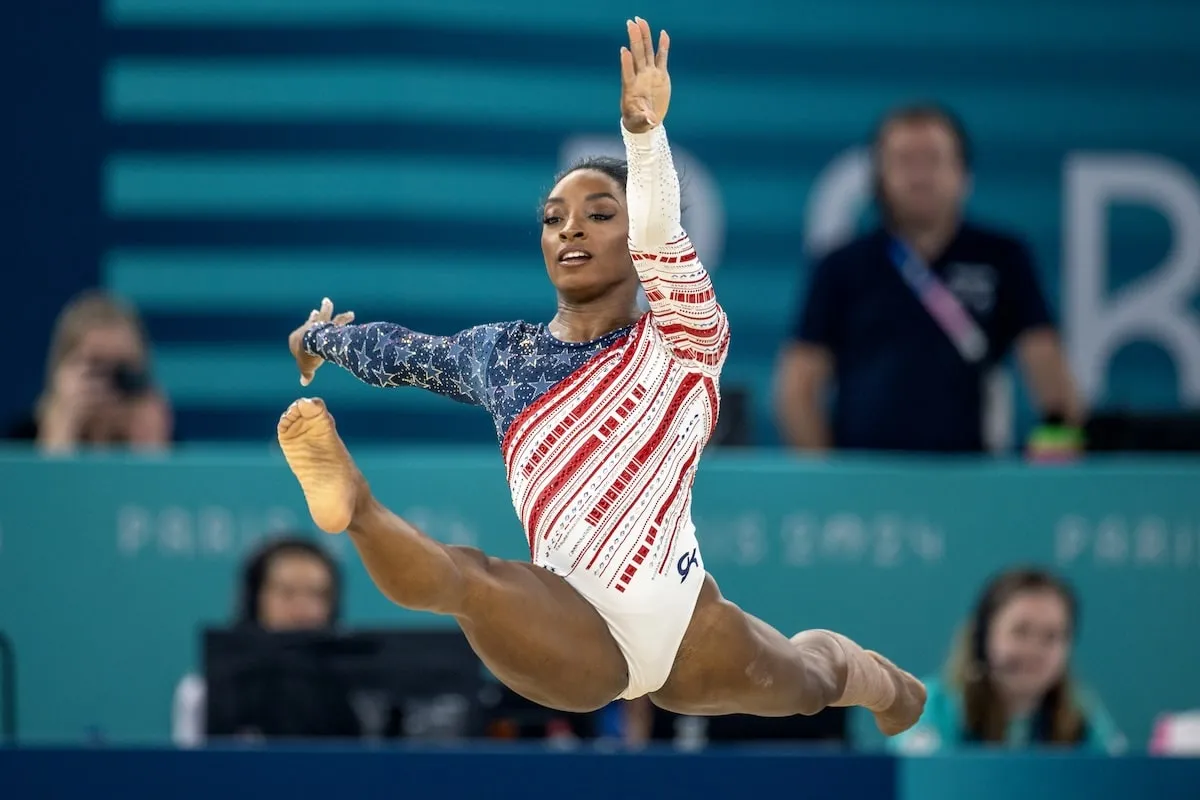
<point>589,198</point>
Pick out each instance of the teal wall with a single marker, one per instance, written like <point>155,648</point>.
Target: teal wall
<point>107,565</point>
<point>390,154</point>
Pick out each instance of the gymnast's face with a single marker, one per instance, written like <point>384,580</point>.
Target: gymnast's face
<point>297,594</point>
<point>585,237</point>
<point>1029,642</point>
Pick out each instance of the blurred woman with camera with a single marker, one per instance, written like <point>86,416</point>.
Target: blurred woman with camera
<point>1008,682</point>
<point>98,387</point>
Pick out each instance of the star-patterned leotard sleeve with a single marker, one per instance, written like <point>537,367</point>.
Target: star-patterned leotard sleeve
<point>507,367</point>
<point>683,305</point>
<point>502,367</point>
<point>387,355</point>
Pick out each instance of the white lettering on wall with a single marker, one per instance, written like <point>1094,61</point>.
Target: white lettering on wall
<point>210,531</point>
<point>751,543</point>
<point>1117,540</point>
<point>840,193</point>
<point>1155,308</point>
<point>799,535</point>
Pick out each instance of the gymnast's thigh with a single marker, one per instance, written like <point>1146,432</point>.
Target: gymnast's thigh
<point>538,635</point>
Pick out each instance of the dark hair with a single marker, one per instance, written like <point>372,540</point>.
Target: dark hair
<point>1058,717</point>
<point>926,112</point>
<point>615,168</point>
<point>258,562</point>
<point>915,113</point>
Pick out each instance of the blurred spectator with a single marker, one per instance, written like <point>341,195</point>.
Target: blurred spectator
<point>98,384</point>
<point>289,584</point>
<point>909,319</point>
<point>1008,682</point>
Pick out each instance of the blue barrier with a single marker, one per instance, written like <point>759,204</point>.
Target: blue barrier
<point>583,775</point>
<point>496,773</point>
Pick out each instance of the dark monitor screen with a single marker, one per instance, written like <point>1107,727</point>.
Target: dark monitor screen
<point>336,685</point>
<point>827,727</point>
<point>1124,432</point>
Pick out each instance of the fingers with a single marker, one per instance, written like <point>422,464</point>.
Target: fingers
<point>325,314</point>
<point>627,70</point>
<point>638,45</point>
<point>641,49</point>
<point>648,113</point>
<point>647,41</point>
<point>94,390</point>
<point>308,369</point>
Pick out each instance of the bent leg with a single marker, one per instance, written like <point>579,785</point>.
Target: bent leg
<point>532,630</point>
<point>733,663</point>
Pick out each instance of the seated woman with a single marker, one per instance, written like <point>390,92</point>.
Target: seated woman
<point>290,583</point>
<point>1008,683</point>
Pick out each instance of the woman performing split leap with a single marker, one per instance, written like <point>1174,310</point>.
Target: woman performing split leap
<point>602,415</point>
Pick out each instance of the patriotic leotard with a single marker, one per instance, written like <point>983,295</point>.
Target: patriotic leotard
<point>600,439</point>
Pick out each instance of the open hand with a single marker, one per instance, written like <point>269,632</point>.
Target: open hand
<point>645,84</point>
<point>306,362</point>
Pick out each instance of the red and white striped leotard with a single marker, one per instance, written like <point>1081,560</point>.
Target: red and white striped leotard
<point>601,466</point>
<point>600,439</point>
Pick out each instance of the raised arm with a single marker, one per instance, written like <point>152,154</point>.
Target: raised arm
<point>683,305</point>
<point>387,355</point>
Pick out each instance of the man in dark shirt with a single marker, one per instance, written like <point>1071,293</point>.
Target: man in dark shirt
<point>908,364</point>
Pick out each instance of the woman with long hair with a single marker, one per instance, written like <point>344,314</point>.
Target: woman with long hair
<point>99,390</point>
<point>1008,681</point>
<point>289,583</point>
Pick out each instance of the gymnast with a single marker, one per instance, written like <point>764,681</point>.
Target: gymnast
<point>602,414</point>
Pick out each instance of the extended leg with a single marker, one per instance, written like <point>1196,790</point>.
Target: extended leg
<point>733,663</point>
<point>531,629</point>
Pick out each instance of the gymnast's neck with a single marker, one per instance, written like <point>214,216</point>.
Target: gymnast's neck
<point>585,321</point>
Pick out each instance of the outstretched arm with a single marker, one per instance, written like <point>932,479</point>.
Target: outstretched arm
<point>388,355</point>
<point>683,304</point>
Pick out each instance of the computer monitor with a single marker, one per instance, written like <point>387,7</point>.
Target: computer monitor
<point>1134,432</point>
<point>362,684</point>
<point>828,727</point>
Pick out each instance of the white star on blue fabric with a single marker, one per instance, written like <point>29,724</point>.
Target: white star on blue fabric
<point>502,367</point>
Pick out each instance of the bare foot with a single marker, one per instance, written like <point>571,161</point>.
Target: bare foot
<point>321,463</point>
<point>910,700</point>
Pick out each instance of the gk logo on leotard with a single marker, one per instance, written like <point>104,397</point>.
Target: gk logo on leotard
<point>686,562</point>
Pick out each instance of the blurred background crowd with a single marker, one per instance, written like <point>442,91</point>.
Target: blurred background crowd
<point>994,435</point>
